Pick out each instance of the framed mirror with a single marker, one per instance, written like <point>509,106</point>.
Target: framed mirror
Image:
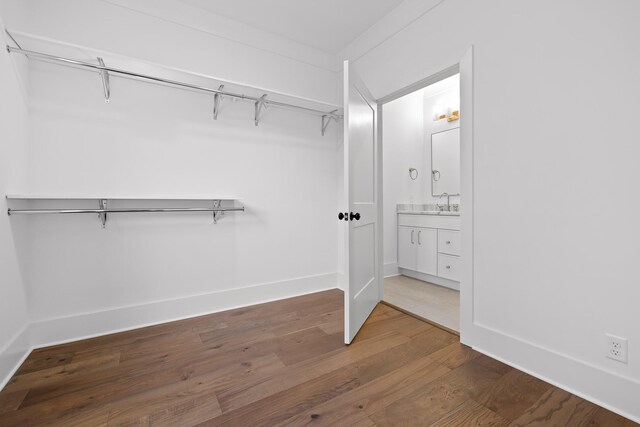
<point>445,162</point>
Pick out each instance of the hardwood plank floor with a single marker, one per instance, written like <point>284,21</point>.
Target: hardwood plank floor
<point>284,363</point>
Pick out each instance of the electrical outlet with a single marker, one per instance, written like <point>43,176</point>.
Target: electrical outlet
<point>616,348</point>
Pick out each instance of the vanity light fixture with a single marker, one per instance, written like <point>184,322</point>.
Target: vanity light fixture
<point>455,115</point>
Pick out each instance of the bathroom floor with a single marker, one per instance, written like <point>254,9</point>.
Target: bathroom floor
<point>432,302</point>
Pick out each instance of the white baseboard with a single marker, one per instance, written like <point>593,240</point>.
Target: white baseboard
<point>391,269</point>
<point>14,353</point>
<point>49,332</point>
<point>595,384</point>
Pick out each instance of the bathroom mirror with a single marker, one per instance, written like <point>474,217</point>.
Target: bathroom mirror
<point>445,162</point>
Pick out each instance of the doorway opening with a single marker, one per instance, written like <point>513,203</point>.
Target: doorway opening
<point>421,169</point>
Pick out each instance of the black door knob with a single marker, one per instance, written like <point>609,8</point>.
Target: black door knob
<point>355,216</point>
<point>344,216</point>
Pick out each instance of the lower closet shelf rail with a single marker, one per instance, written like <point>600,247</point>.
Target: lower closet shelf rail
<point>103,211</point>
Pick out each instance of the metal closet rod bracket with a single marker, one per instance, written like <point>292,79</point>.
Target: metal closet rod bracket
<point>102,204</point>
<point>216,102</point>
<point>104,74</point>
<point>217,214</point>
<point>259,105</point>
<point>13,40</point>
<point>326,119</point>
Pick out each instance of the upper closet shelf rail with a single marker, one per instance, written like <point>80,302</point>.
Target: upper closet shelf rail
<point>260,102</point>
<point>102,210</point>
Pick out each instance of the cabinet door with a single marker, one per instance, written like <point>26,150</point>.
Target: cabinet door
<point>407,247</point>
<point>427,243</point>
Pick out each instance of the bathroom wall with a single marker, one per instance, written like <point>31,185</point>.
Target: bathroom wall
<point>407,127</point>
<point>551,274</point>
<point>443,96</point>
<point>403,147</point>
<point>14,341</point>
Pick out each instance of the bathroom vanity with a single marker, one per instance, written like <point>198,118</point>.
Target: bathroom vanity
<point>429,244</point>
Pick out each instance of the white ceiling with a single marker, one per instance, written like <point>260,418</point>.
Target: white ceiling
<point>328,25</point>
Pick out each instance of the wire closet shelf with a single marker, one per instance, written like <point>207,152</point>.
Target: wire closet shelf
<point>216,207</point>
<point>260,102</point>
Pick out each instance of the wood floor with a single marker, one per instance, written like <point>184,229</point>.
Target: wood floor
<point>284,363</point>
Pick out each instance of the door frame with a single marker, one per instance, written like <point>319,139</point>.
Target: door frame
<point>464,66</point>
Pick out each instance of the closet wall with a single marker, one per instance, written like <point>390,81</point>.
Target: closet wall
<point>14,317</point>
<point>83,280</point>
<point>154,140</point>
<point>176,35</point>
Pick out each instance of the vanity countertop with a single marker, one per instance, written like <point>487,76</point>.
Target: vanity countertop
<point>430,212</point>
<point>424,209</point>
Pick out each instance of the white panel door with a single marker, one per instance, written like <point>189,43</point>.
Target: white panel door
<point>407,252</point>
<point>362,289</point>
<point>427,244</point>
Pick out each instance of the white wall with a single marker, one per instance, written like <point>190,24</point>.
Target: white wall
<point>403,147</point>
<point>443,94</point>
<point>14,319</point>
<point>184,38</point>
<point>552,274</point>
<point>82,280</point>
<point>153,140</point>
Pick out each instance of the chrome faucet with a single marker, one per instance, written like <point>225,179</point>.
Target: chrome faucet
<point>448,204</point>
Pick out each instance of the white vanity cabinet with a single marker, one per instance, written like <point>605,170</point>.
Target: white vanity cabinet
<point>429,248</point>
<point>418,249</point>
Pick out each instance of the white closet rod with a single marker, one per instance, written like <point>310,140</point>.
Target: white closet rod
<point>102,211</point>
<point>259,101</point>
<point>119,210</point>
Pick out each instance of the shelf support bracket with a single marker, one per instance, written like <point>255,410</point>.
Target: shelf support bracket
<point>260,104</point>
<point>12,39</point>
<point>102,204</point>
<point>326,119</point>
<point>105,81</point>
<point>216,103</point>
<point>217,214</point>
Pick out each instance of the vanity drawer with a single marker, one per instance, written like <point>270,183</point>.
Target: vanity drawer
<point>449,242</point>
<point>449,267</point>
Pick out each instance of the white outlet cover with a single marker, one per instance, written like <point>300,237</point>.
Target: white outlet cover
<point>617,348</point>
